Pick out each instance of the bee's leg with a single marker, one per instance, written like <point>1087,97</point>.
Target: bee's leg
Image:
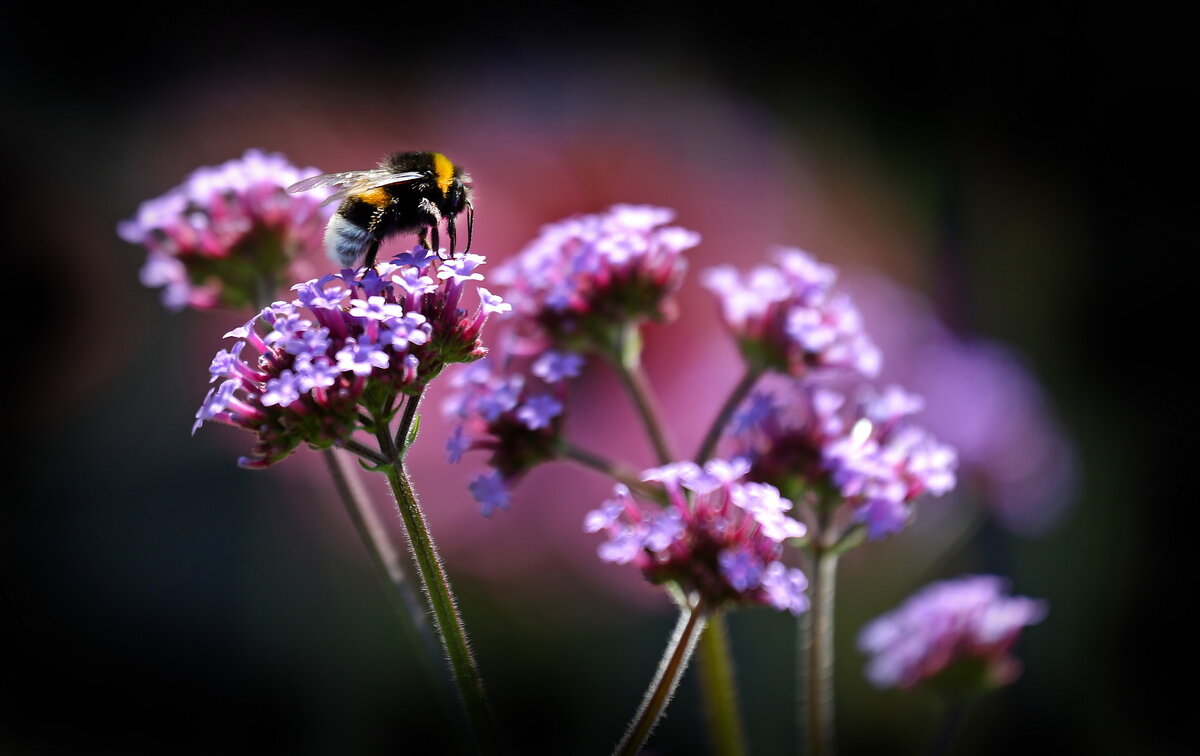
<point>432,218</point>
<point>470,226</point>
<point>372,251</point>
<point>433,230</point>
<point>423,237</point>
<point>451,233</point>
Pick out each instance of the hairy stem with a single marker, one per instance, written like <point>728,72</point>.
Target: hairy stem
<point>383,554</point>
<point>365,452</point>
<point>447,620</point>
<point>662,687</point>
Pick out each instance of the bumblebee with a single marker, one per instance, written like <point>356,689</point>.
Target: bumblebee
<point>409,191</point>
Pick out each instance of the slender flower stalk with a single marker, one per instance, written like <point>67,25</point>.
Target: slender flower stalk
<point>608,468</point>
<point>692,619</point>
<point>816,649</point>
<point>628,363</point>
<point>436,585</point>
<point>719,425</point>
<point>384,556</point>
<point>718,686</point>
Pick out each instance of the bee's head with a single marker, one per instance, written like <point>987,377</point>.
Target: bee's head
<point>458,193</point>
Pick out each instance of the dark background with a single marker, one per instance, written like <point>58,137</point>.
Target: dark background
<point>157,599</point>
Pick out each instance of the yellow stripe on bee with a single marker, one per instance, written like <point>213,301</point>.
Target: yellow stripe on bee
<point>376,197</point>
<point>444,170</point>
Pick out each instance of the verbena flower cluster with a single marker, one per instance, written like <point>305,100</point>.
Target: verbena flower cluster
<point>228,232</point>
<point>719,536</point>
<point>573,290</point>
<point>581,286</point>
<point>958,632</point>
<point>864,453</point>
<point>584,278</point>
<point>516,414</point>
<point>789,317</point>
<point>984,399</point>
<point>344,344</point>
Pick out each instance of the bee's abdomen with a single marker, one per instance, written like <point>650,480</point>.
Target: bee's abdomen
<point>345,241</point>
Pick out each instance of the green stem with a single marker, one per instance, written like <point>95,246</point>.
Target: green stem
<point>611,469</point>
<point>816,657</point>
<point>719,689</point>
<point>662,687</point>
<point>717,680</point>
<point>447,620</point>
<point>365,452</point>
<point>628,363</point>
<point>732,402</point>
<point>383,554</point>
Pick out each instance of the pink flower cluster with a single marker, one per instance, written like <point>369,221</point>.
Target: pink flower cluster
<point>968,623</point>
<point>719,535</point>
<point>586,276</point>
<point>789,317</point>
<point>228,232</point>
<point>867,453</point>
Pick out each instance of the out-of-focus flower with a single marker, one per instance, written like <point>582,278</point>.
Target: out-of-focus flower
<point>344,345</point>
<point>982,399</point>
<point>864,454</point>
<point>957,633</point>
<point>726,543</point>
<point>516,413</point>
<point>584,278</point>
<point>226,236</point>
<point>788,317</point>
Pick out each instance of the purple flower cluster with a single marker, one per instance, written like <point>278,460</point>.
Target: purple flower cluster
<point>865,453</point>
<point>984,399</point>
<point>227,231</point>
<point>342,344</point>
<point>788,317</point>
<point>966,625</point>
<point>584,277</point>
<point>726,543</point>
<point>515,413</point>
<point>573,289</point>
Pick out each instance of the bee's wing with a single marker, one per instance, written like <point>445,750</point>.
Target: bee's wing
<point>353,182</point>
